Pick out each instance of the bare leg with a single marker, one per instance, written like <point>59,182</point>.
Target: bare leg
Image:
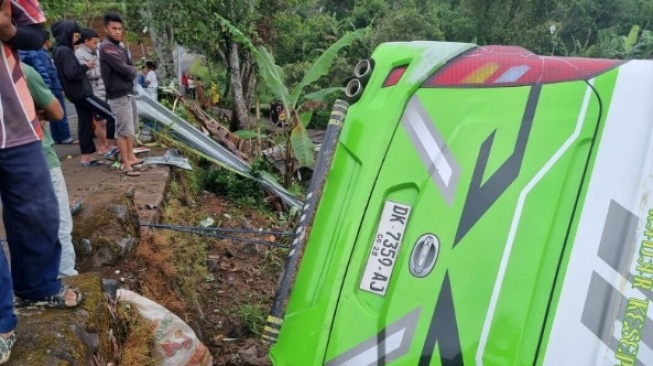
<point>101,134</point>
<point>132,157</point>
<point>85,158</point>
<point>125,150</point>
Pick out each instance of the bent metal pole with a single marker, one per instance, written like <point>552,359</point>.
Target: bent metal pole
<point>324,160</point>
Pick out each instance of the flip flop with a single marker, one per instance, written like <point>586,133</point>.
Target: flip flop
<point>131,173</point>
<point>111,154</point>
<point>93,163</point>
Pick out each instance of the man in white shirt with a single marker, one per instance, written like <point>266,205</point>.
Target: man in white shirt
<point>151,81</point>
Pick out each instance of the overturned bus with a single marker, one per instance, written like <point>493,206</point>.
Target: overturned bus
<point>485,206</point>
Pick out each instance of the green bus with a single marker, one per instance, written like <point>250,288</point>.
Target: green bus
<point>485,206</point>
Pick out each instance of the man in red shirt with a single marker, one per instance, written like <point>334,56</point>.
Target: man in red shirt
<point>30,210</point>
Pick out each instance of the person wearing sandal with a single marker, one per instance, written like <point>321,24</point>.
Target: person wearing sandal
<point>118,73</point>
<point>31,215</point>
<point>88,51</point>
<point>45,101</point>
<point>77,86</point>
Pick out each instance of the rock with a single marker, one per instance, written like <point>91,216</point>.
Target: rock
<point>110,287</point>
<point>121,211</point>
<point>104,256</point>
<point>109,252</point>
<point>246,224</point>
<point>64,337</point>
<point>126,244</point>
<point>130,192</point>
<point>86,246</point>
<point>248,353</point>
<point>249,249</point>
<point>211,264</point>
<point>251,357</point>
<point>91,342</point>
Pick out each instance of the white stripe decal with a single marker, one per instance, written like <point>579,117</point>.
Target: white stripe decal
<point>436,155</point>
<point>431,148</point>
<point>515,224</point>
<point>512,74</point>
<point>371,356</point>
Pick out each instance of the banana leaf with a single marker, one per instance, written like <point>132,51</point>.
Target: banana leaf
<point>273,75</point>
<point>631,40</point>
<point>305,118</point>
<point>323,63</point>
<point>303,146</point>
<point>322,94</point>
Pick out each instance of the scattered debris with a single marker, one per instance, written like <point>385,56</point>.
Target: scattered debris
<point>171,157</point>
<point>207,222</point>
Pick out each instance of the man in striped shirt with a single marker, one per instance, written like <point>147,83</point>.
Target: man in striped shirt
<point>29,205</point>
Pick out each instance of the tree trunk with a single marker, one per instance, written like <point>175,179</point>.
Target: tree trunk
<point>240,119</point>
<point>163,45</point>
<point>249,88</point>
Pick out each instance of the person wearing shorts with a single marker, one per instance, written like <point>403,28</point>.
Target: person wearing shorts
<point>118,73</point>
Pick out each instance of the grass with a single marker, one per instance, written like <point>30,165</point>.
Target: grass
<point>253,315</point>
<point>135,337</point>
<point>274,261</point>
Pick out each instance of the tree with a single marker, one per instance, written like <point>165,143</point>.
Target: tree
<point>161,34</point>
<point>194,25</point>
<point>71,9</point>
<point>295,100</point>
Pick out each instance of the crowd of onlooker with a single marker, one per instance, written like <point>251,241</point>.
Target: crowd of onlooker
<point>98,77</point>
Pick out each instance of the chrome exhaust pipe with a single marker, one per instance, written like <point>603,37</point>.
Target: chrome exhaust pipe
<point>363,70</point>
<point>354,90</point>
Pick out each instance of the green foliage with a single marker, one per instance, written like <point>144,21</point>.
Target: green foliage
<point>320,119</point>
<point>630,41</point>
<point>299,37</point>
<point>323,63</point>
<point>302,146</point>
<point>252,315</point>
<point>305,118</point>
<point>633,45</point>
<point>407,23</point>
<point>248,134</point>
<point>241,190</point>
<point>81,10</point>
<point>199,69</point>
<point>273,75</point>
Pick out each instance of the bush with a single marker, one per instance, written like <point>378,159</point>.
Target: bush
<point>239,189</point>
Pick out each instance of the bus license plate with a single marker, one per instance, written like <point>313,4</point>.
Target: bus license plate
<point>385,248</point>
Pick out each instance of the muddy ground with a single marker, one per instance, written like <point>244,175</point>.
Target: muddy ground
<point>222,288</point>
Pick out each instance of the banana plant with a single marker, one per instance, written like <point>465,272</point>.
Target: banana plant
<point>296,103</point>
<point>637,44</point>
